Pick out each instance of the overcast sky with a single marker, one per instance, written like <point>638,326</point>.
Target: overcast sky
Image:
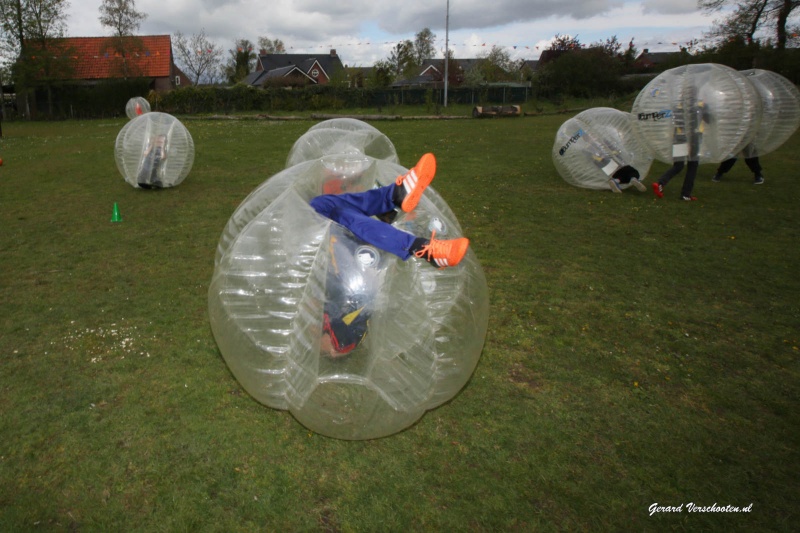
<point>365,31</point>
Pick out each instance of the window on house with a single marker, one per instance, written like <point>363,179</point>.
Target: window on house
<point>315,73</point>
<point>177,80</point>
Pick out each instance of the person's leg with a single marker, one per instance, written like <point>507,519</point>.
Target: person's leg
<point>145,173</point>
<point>371,202</point>
<point>755,166</point>
<point>670,173</point>
<point>724,168</point>
<point>354,211</point>
<point>688,180</point>
<point>661,182</point>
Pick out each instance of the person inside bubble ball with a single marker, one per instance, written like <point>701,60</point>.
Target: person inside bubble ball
<point>608,158</point>
<point>154,155</point>
<point>752,163</point>
<point>689,117</point>
<point>345,319</point>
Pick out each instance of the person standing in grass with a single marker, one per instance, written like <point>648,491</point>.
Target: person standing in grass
<point>689,117</point>
<point>154,155</point>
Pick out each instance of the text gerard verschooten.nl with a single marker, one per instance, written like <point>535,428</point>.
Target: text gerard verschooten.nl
<point>695,508</point>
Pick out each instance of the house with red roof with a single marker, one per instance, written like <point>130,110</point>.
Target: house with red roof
<point>96,59</point>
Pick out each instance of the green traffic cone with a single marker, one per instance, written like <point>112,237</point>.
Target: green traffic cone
<point>115,216</point>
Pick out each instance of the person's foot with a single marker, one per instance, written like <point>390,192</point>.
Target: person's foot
<point>689,198</point>
<point>443,253</point>
<point>759,180</point>
<point>716,178</point>
<point>613,185</point>
<point>658,190</point>
<point>638,184</point>
<point>412,184</point>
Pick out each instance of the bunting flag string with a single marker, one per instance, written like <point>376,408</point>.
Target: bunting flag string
<point>534,49</point>
<point>519,47</point>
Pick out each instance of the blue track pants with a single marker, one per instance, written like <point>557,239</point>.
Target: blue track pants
<point>354,211</point>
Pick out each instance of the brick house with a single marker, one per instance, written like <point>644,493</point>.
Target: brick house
<point>295,69</point>
<point>95,59</point>
<point>432,73</point>
<point>648,60</point>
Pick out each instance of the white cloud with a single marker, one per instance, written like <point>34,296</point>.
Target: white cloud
<point>364,31</point>
<point>673,7</point>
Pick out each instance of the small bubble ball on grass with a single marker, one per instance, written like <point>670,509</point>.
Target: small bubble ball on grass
<point>154,151</point>
<point>701,112</point>
<point>341,136</point>
<point>599,144</point>
<point>780,116</point>
<point>137,106</point>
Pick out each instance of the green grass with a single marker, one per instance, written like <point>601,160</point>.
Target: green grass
<point>639,351</point>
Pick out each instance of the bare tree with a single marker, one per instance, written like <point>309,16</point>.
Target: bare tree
<point>242,61</point>
<point>401,59</point>
<point>31,31</point>
<point>750,16</point>
<point>424,47</point>
<point>496,65</point>
<point>121,16</point>
<point>198,56</point>
<point>565,42</point>
<point>123,19</point>
<point>271,46</point>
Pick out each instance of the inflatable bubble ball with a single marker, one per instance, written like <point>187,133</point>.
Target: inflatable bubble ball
<point>154,151</point>
<point>598,145</point>
<point>780,116</point>
<point>288,280</point>
<point>137,106</point>
<point>702,112</point>
<point>341,136</point>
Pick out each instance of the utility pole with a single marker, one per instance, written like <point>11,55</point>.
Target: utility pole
<point>446,50</point>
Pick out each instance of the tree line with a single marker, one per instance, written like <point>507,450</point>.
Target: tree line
<point>749,33</point>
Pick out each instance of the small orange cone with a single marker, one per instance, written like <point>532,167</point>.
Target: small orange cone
<point>115,216</point>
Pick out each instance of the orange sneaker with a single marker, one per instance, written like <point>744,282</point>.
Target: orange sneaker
<point>443,253</point>
<point>413,183</point>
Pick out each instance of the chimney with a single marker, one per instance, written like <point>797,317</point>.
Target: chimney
<point>646,51</point>
<point>333,52</point>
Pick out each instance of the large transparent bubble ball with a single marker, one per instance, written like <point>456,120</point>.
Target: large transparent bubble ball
<point>598,144</point>
<point>780,116</point>
<point>272,278</point>
<point>154,151</point>
<point>702,112</point>
<point>341,136</point>
<point>137,106</point>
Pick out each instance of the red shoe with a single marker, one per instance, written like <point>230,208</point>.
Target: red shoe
<point>415,181</point>
<point>444,253</point>
<point>658,190</point>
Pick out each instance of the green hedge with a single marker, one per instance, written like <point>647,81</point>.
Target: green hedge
<point>242,98</point>
<point>105,99</point>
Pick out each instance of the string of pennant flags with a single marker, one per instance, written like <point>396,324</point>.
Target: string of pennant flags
<point>313,48</point>
<point>452,44</point>
<point>106,55</point>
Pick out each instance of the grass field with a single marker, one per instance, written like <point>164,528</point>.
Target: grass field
<point>639,351</point>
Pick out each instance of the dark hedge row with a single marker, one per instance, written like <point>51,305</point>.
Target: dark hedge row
<point>108,99</point>
<point>242,98</point>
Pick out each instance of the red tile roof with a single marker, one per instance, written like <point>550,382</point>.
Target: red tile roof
<point>94,58</point>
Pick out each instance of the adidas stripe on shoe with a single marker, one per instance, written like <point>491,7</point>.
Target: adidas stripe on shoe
<point>415,181</point>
